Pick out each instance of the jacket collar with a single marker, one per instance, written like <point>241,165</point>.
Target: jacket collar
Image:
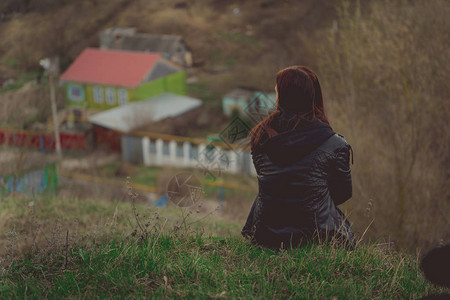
<point>291,146</point>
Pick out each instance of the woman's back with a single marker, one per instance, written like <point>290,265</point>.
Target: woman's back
<point>303,173</point>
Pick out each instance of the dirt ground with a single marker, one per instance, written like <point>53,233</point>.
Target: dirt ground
<point>113,188</point>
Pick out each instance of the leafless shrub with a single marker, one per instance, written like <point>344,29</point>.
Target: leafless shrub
<point>385,75</point>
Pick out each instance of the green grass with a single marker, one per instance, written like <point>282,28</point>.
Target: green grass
<point>147,175</point>
<point>202,90</point>
<point>12,63</point>
<point>192,266</point>
<point>240,38</point>
<point>29,216</point>
<point>177,255</point>
<point>140,174</point>
<point>21,80</point>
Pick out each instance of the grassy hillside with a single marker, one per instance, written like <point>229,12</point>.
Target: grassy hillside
<point>167,265</point>
<point>31,222</point>
<point>174,255</point>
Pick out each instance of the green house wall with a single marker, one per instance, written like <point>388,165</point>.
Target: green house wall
<point>104,104</point>
<point>173,83</point>
<point>176,83</point>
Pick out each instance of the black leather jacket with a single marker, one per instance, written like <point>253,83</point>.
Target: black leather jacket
<point>303,175</point>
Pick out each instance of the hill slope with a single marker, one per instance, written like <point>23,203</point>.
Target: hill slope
<point>183,259</point>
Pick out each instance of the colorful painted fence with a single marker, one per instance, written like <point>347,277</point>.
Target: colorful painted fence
<point>44,141</point>
<point>37,180</point>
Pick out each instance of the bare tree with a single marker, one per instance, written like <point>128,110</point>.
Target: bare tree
<point>387,75</point>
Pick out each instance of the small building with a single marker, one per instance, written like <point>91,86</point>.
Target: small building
<point>103,79</point>
<point>245,101</point>
<point>172,47</point>
<point>109,125</point>
<point>30,173</point>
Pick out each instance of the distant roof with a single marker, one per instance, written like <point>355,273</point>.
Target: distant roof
<point>111,67</point>
<point>120,30</point>
<point>136,114</point>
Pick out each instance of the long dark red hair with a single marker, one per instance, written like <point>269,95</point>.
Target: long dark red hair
<point>299,100</point>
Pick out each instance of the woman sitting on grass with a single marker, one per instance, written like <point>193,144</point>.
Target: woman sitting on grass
<point>303,169</point>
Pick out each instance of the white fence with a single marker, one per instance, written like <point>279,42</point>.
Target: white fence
<point>169,152</point>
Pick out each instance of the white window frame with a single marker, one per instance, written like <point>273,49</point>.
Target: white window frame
<point>110,96</point>
<point>122,96</point>
<point>98,94</point>
<point>74,98</point>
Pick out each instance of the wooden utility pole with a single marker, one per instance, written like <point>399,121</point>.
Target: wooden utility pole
<point>54,116</point>
<point>51,66</point>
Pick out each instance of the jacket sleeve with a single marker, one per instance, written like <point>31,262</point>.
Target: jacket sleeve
<point>340,180</point>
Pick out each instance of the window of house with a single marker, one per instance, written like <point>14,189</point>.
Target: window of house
<point>110,96</point>
<point>122,96</point>
<point>98,94</point>
<point>75,92</point>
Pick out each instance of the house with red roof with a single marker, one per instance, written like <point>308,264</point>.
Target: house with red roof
<point>102,79</point>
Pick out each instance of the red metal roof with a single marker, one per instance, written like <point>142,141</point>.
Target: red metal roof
<point>111,67</point>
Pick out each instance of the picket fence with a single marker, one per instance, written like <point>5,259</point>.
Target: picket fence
<point>147,148</point>
<point>177,152</point>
